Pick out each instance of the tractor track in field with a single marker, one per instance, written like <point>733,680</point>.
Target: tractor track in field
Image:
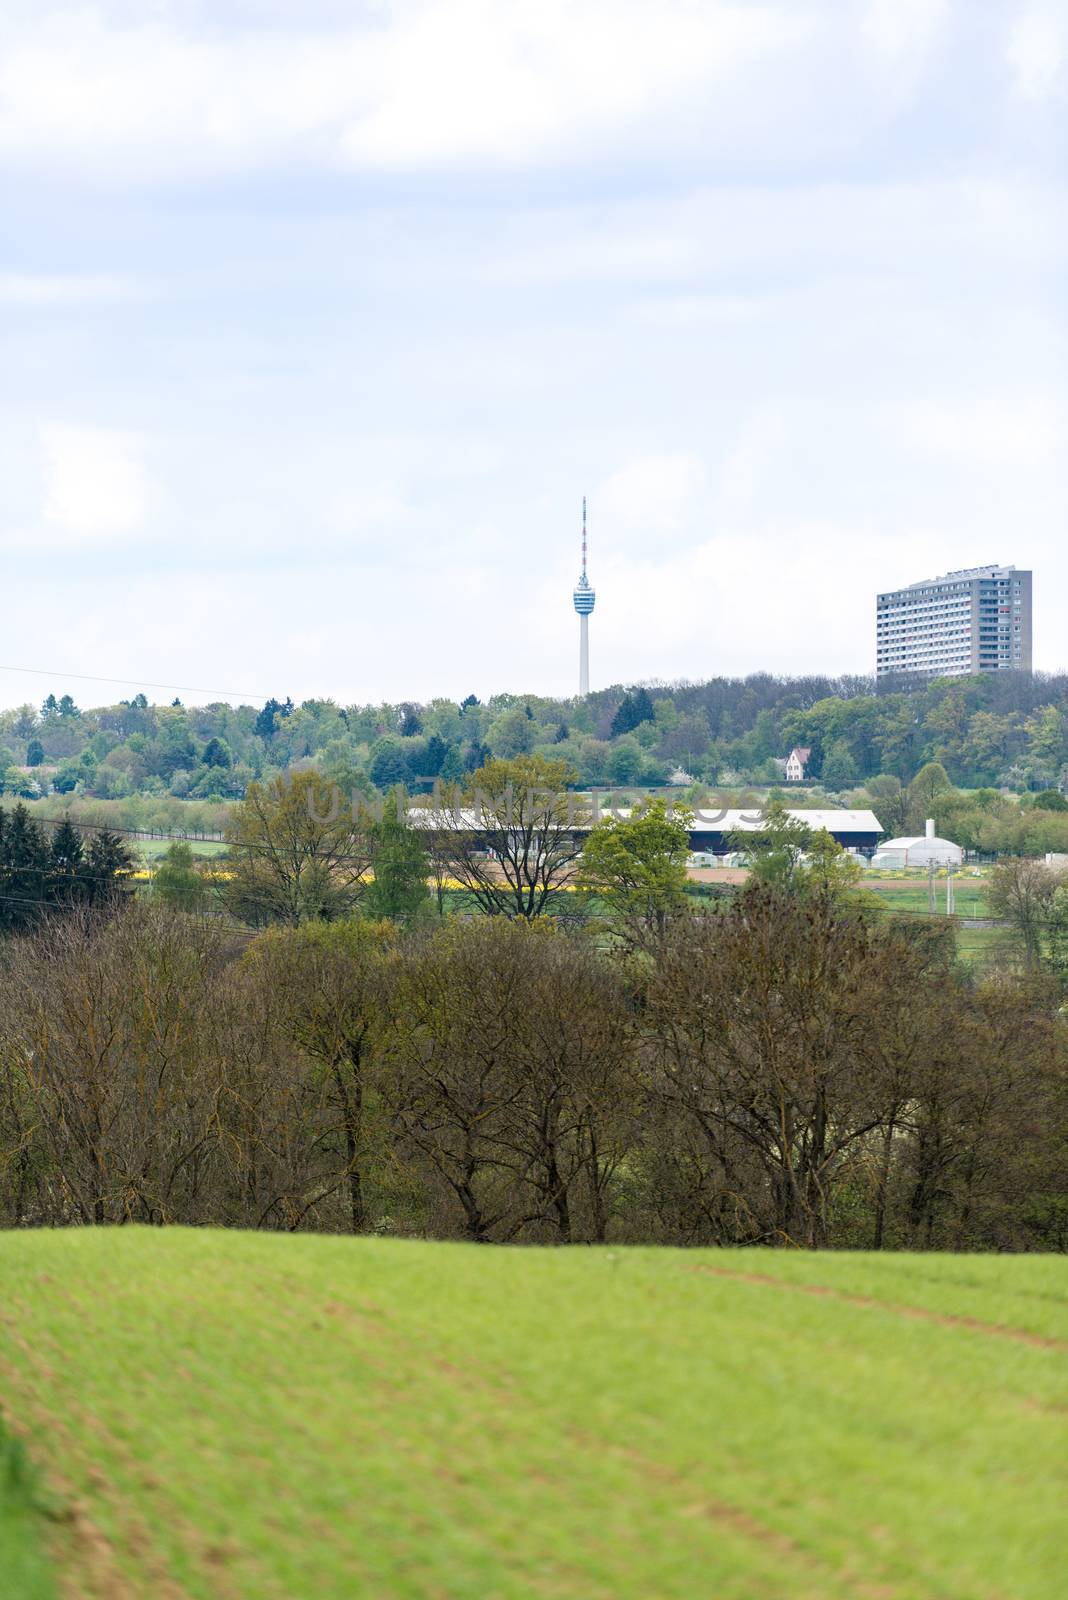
<point>944,1319</point>
<point>505,1394</point>
<point>100,1539</point>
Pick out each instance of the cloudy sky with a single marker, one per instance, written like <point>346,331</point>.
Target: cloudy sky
<point>317,320</point>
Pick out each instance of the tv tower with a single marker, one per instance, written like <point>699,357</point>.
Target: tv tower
<point>584,598</point>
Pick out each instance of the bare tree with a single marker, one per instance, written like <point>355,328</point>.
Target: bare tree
<point>978,1154</point>
<point>762,1036</point>
<point>327,983</point>
<point>103,1032</point>
<point>507,1069</point>
<point>515,836</point>
<point>1022,891</point>
<point>445,1071</point>
<point>786,1069</point>
<point>567,1128</point>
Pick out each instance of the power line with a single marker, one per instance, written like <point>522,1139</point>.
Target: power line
<point>129,683</point>
<point>957,918</point>
<point>129,833</point>
<point>243,847</point>
<point>139,834</point>
<point>60,908</point>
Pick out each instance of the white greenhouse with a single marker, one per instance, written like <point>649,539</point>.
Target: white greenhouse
<point>924,850</point>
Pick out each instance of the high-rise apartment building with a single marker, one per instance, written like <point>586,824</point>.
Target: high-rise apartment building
<point>978,620</point>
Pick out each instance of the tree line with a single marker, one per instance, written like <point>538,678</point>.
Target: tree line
<point>779,1068</point>
<point>998,730</point>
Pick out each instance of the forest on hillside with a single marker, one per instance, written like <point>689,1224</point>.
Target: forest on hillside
<point>1006,731</point>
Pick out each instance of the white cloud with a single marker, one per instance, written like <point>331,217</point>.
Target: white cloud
<point>704,310</point>
<point>96,488</point>
<point>739,252</point>
<point>25,289</point>
<point>650,495</point>
<point>1036,51</point>
<point>750,254</point>
<point>730,604</point>
<point>763,437</point>
<point>1021,431</point>
<point>477,79</point>
<point>592,253</point>
<point>425,83</point>
<point>898,29</point>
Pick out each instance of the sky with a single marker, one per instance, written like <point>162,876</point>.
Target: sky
<point>317,321</point>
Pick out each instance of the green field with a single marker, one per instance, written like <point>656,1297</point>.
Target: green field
<point>910,894</point>
<point>251,1415</point>
<point>978,947</point>
<point>153,850</point>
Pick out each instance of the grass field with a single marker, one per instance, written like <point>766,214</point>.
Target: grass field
<point>910,894</point>
<point>228,1415</point>
<point>24,1564</point>
<point>153,850</point>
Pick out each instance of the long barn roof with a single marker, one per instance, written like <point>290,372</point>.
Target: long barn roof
<point>706,820</point>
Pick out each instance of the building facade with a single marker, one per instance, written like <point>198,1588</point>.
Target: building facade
<point>711,830</point>
<point>797,763</point>
<point>977,620</point>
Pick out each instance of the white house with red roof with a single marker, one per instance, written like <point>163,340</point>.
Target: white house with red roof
<point>796,762</point>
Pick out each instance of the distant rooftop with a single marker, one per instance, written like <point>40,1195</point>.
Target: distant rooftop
<point>836,820</point>
<point>992,570</point>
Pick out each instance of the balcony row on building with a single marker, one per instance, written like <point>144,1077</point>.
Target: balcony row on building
<point>975,620</point>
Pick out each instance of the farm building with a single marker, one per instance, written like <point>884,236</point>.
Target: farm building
<point>855,830</point>
<point>710,833</point>
<point>923,850</point>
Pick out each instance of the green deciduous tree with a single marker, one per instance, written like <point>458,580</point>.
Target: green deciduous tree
<point>828,868</point>
<point>297,851</point>
<point>775,849</point>
<point>513,734</point>
<point>890,803</point>
<point>636,865</point>
<point>399,862</point>
<point>176,880</point>
<point>929,784</point>
<point>1021,891</point>
<point>839,768</point>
